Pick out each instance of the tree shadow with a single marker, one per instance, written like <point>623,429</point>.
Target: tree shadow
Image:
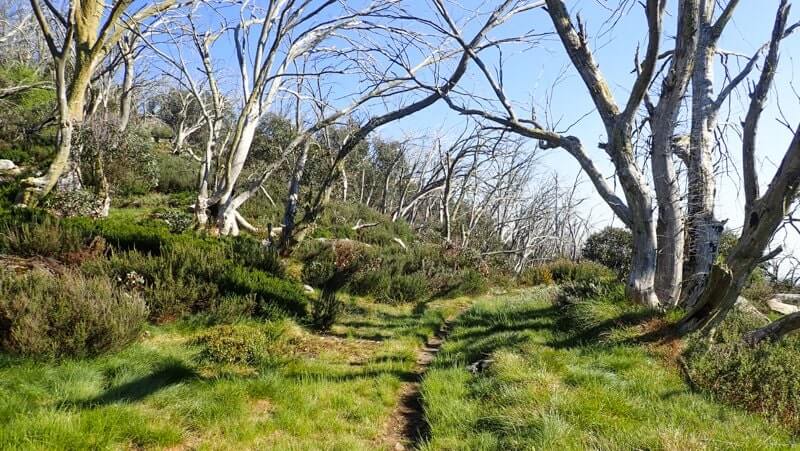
<point>595,334</point>
<point>171,373</point>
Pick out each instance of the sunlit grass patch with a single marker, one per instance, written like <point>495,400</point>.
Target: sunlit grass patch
<point>544,389</point>
<point>332,391</point>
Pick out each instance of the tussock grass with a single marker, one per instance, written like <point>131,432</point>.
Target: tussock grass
<point>331,391</point>
<point>545,389</point>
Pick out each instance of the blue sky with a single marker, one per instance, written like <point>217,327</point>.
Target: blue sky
<point>530,73</point>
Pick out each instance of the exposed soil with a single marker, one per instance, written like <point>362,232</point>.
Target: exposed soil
<point>407,428</point>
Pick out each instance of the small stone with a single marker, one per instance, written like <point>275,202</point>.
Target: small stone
<point>8,167</point>
<point>308,288</point>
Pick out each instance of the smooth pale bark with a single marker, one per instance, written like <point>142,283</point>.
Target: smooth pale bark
<point>704,230</point>
<point>293,198</point>
<point>126,99</point>
<point>618,124</point>
<point>92,28</point>
<point>664,116</point>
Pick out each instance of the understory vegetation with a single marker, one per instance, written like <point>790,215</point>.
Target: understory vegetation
<point>576,375</point>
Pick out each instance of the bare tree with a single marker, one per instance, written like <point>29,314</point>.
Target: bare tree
<point>764,213</point>
<point>636,212</point>
<point>86,33</point>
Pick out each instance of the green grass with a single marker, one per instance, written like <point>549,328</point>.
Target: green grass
<point>329,392</point>
<point>547,390</point>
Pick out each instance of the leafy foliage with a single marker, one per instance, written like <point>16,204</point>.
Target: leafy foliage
<point>67,315</point>
<point>611,247</point>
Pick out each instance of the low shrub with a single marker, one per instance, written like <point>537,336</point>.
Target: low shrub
<point>611,247</point>
<point>325,309</point>
<point>406,288</point>
<point>472,283</point>
<point>238,344</point>
<point>245,343</point>
<point>46,236</point>
<point>176,173</point>
<point>250,252</point>
<point>68,315</point>
<point>536,275</point>
<point>276,297</point>
<point>569,271</point>
<point>177,220</point>
<point>231,308</point>
<point>763,379</point>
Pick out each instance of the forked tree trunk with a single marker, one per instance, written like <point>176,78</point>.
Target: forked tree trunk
<point>293,199</point>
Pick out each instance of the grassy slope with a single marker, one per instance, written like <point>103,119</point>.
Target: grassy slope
<point>336,392</point>
<point>545,392</point>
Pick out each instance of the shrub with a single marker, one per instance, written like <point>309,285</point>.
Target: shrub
<point>129,161</point>
<point>472,283</point>
<point>245,344</point>
<point>67,315</point>
<point>181,278</point>
<point>176,173</point>
<point>325,310</point>
<point>569,271</point>
<point>764,379</point>
<point>250,252</point>
<point>407,288</point>
<point>611,247</point>
<point>176,219</point>
<point>232,344</point>
<point>77,202</point>
<point>231,308</point>
<point>44,236</point>
<point>536,275</point>
<point>276,297</point>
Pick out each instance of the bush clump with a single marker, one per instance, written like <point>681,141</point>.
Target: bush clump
<point>536,275</point>
<point>585,271</point>
<point>275,297</point>
<point>611,247</point>
<point>763,379</point>
<point>40,235</point>
<point>66,315</point>
<point>246,344</point>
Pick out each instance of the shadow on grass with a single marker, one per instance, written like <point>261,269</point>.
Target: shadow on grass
<point>595,334</point>
<point>171,373</point>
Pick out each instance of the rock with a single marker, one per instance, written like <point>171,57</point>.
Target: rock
<point>744,306</point>
<point>479,366</point>
<point>308,289</point>
<point>7,167</point>
<point>776,305</point>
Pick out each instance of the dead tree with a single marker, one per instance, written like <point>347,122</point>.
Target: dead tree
<point>89,30</point>
<point>636,211</point>
<point>764,213</point>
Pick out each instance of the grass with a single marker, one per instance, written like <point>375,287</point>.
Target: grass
<point>330,392</point>
<point>547,390</point>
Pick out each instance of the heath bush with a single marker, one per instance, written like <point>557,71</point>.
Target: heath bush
<point>611,247</point>
<point>764,379</point>
<point>67,315</point>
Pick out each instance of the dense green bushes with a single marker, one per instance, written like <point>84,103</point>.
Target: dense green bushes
<point>66,315</point>
<point>566,271</point>
<point>764,379</point>
<point>394,275</point>
<point>611,247</point>
<point>176,173</point>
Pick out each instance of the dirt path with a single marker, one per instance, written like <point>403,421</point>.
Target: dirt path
<point>407,428</point>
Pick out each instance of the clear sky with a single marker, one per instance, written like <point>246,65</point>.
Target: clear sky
<point>530,74</point>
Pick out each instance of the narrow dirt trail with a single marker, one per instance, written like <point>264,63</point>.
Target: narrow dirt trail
<point>407,428</point>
